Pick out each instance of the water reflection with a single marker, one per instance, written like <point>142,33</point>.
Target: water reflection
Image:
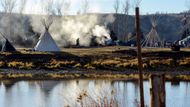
<point>62,93</point>
<point>178,95</point>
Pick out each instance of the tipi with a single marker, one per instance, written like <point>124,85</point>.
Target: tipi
<point>6,46</point>
<point>185,29</point>
<point>185,39</point>
<point>152,39</point>
<point>46,42</point>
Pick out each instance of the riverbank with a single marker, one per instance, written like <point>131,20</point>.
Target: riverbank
<point>113,58</point>
<point>15,74</point>
<point>105,62</point>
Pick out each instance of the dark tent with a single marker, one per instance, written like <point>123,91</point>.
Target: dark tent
<point>7,46</point>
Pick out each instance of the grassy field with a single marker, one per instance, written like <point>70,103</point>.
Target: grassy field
<point>118,59</point>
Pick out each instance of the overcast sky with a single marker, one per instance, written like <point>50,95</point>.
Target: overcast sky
<point>106,6</point>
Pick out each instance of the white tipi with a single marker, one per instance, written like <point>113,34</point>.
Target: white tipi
<point>46,42</point>
<point>152,39</point>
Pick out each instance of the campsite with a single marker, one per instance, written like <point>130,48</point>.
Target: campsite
<point>90,53</point>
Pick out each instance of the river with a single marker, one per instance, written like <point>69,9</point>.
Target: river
<point>66,92</point>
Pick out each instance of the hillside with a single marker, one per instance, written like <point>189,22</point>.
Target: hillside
<point>26,29</point>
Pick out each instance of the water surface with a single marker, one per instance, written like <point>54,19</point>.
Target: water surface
<point>62,93</point>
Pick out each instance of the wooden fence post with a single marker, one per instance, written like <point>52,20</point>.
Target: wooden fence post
<point>139,55</point>
<point>162,91</point>
<point>157,91</point>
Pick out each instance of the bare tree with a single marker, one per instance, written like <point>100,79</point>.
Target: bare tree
<point>66,7</point>
<point>137,3</point>
<point>116,6</point>
<point>186,21</point>
<point>126,7</point>
<point>85,6</point>
<point>22,6</point>
<point>8,5</point>
<point>61,7</point>
<point>48,6</point>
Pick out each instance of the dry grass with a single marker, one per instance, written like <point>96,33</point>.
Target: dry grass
<point>106,62</point>
<point>59,64</point>
<point>1,76</point>
<point>89,66</point>
<point>184,61</point>
<point>20,65</point>
<point>78,65</point>
<point>118,58</point>
<point>20,75</point>
<point>57,76</point>
<point>94,51</point>
<point>2,64</point>
<point>184,77</point>
<point>156,49</point>
<point>94,75</point>
<point>86,100</point>
<point>6,53</point>
<point>166,62</point>
<point>35,53</point>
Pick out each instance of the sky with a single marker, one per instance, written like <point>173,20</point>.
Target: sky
<point>106,6</point>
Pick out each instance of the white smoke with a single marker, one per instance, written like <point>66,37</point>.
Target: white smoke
<point>65,30</point>
<point>82,27</point>
<point>100,31</point>
<point>102,34</point>
<point>15,28</point>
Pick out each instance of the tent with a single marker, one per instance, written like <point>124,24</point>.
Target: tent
<point>185,42</point>
<point>7,46</point>
<point>152,39</point>
<point>185,29</point>
<point>46,43</point>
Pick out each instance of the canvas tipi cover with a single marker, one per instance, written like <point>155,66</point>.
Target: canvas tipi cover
<point>7,46</point>
<point>46,43</point>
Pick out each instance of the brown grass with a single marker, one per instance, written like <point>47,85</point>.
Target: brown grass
<point>57,76</point>
<point>166,62</point>
<point>118,58</point>
<point>2,64</point>
<point>19,75</point>
<point>59,64</point>
<point>184,61</point>
<point>20,65</point>
<point>86,100</point>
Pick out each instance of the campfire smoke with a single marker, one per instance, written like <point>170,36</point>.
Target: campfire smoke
<point>67,30</point>
<point>22,30</point>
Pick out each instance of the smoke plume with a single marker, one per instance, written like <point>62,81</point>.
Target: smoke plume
<point>23,30</point>
<point>66,30</point>
<point>15,28</point>
<point>84,28</point>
